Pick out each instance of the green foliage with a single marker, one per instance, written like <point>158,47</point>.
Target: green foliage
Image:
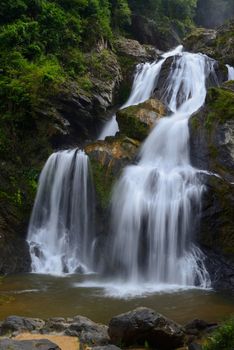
<point>222,338</point>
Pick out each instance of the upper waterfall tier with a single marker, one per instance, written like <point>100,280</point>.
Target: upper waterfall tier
<point>144,83</point>
<point>61,228</point>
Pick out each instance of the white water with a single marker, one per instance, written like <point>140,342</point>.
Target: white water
<point>156,203</point>
<point>61,227</point>
<point>230,72</point>
<point>144,83</point>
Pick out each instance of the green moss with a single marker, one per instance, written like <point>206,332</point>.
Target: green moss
<point>220,103</point>
<point>103,181</point>
<point>130,125</point>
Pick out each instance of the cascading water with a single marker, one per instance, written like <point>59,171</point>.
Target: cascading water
<point>230,72</point>
<point>156,202</point>
<point>61,227</point>
<point>143,86</point>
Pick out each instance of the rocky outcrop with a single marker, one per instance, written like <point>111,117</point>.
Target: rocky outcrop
<point>212,150</point>
<point>137,121</point>
<point>218,44</point>
<point>144,326</point>
<point>147,31</point>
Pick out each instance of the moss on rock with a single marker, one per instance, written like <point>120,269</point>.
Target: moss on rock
<point>107,159</point>
<point>137,121</point>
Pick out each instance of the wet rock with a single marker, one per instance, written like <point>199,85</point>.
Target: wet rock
<point>107,159</point>
<point>145,325</point>
<point>16,324</point>
<point>201,40</point>
<point>137,121</point>
<point>88,332</point>
<point>43,344</point>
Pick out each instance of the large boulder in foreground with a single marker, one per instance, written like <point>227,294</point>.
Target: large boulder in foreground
<point>137,121</point>
<point>144,326</point>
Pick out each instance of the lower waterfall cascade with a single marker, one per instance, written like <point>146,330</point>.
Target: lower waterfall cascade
<point>155,204</point>
<point>62,222</point>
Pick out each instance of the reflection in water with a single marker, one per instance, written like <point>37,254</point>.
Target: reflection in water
<point>32,296</point>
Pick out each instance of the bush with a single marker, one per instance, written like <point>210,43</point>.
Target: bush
<point>222,338</point>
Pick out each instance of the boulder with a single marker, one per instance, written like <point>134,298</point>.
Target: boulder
<point>88,332</point>
<point>144,326</point>
<point>43,344</point>
<point>137,121</point>
<point>17,324</point>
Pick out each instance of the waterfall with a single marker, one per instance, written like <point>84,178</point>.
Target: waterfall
<point>230,72</point>
<point>144,83</point>
<point>61,225</point>
<point>156,203</point>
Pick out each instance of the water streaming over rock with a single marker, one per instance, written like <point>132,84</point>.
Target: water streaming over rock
<point>143,86</point>
<point>230,72</point>
<point>156,203</point>
<point>61,228</point>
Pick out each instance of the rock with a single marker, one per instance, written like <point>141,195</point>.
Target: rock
<point>43,344</point>
<point>105,347</point>
<point>197,324</point>
<point>145,325</point>
<point>14,324</point>
<point>133,49</point>
<point>107,159</point>
<point>147,31</point>
<point>88,332</point>
<point>218,44</point>
<point>137,121</point>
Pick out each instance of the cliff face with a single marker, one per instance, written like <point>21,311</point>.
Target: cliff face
<point>212,150</point>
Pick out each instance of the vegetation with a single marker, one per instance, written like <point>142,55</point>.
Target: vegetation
<point>222,338</point>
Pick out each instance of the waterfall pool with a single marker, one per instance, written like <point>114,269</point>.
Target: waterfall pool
<point>47,296</point>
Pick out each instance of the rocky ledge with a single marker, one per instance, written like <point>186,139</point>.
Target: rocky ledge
<point>142,327</point>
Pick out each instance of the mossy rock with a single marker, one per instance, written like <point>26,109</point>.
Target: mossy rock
<point>137,121</point>
<point>107,159</point>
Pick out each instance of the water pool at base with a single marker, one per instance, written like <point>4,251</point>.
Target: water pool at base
<point>46,296</point>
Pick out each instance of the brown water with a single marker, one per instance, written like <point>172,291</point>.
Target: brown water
<point>46,296</point>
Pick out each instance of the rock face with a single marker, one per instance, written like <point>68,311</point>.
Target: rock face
<point>218,44</point>
<point>212,149</point>
<point>144,325</point>
<point>137,121</point>
<point>146,31</point>
<point>43,344</point>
